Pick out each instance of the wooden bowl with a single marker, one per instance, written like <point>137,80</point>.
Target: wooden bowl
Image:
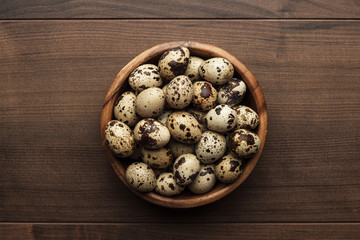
<point>254,99</point>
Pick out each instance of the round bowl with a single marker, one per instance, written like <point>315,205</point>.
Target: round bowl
<point>254,98</point>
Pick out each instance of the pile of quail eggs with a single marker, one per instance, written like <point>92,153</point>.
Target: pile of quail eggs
<point>182,125</point>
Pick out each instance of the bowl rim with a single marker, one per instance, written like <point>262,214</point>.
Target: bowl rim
<point>196,48</point>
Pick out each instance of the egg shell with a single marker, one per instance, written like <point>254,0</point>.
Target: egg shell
<point>151,133</point>
<point>119,138</point>
<point>167,186</point>
<point>217,70</point>
<point>140,177</point>
<point>205,96</point>
<point>173,62</point>
<point>199,115</point>
<point>192,70</point>
<point>163,117</point>
<point>204,181</point>
<point>232,93</point>
<point>211,147</point>
<point>125,109</point>
<point>186,168</point>
<point>150,102</point>
<point>179,92</point>
<point>222,118</point>
<point>228,168</point>
<point>178,148</point>
<point>244,143</point>
<point>184,127</point>
<point>157,158</point>
<point>145,76</point>
<point>246,117</point>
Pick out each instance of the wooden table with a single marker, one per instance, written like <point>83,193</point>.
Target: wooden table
<point>58,58</point>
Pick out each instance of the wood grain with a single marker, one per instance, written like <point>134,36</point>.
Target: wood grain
<point>40,9</point>
<point>54,77</point>
<point>346,231</point>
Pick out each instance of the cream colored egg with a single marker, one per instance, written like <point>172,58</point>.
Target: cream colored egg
<point>186,168</point>
<point>229,168</point>
<point>217,70</point>
<point>174,62</point>
<point>184,127</point>
<point>151,133</point>
<point>178,148</point>
<point>119,138</point>
<point>244,143</point>
<point>232,93</point>
<point>204,181</point>
<point>157,158</point>
<point>125,109</point>
<point>179,92</point>
<point>246,117</point>
<point>140,177</point>
<point>211,147</point>
<point>167,186</point>
<point>192,70</point>
<point>145,76</point>
<point>205,96</point>
<point>150,102</point>
<point>222,118</point>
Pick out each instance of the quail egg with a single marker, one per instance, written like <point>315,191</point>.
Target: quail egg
<point>179,92</point>
<point>211,147</point>
<point>125,109</point>
<point>157,158</point>
<point>174,62</point>
<point>186,168</point>
<point>145,76</point>
<point>150,102</point>
<point>192,70</point>
<point>204,181</point>
<point>151,134</point>
<point>228,169</point>
<point>244,143</point>
<point>167,186</point>
<point>184,127</point>
<point>141,177</point>
<point>178,148</point>
<point>222,118</point>
<point>119,138</point>
<point>246,117</point>
<point>205,96</point>
<point>217,70</point>
<point>232,93</point>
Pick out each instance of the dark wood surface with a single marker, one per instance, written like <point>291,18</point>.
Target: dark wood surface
<point>55,181</point>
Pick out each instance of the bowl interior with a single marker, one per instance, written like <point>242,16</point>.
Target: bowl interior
<point>254,98</point>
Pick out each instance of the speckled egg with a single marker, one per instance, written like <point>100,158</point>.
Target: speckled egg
<point>232,93</point>
<point>228,169</point>
<point>178,148</point>
<point>145,76</point>
<point>211,147</point>
<point>119,138</point>
<point>186,168</point>
<point>125,109</point>
<point>157,158</point>
<point>184,127</point>
<point>217,70</point>
<point>179,92</point>
<point>150,102</point>
<point>204,181</point>
<point>205,96</point>
<point>222,118</point>
<point>199,115</point>
<point>151,134</point>
<point>163,117</point>
<point>141,177</point>
<point>174,62</point>
<point>246,117</point>
<point>167,186</point>
<point>192,70</point>
<point>244,143</point>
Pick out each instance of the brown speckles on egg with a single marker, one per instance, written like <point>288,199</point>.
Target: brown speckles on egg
<point>205,96</point>
<point>211,147</point>
<point>157,158</point>
<point>179,92</point>
<point>186,168</point>
<point>178,122</point>
<point>144,77</point>
<point>166,185</point>
<point>151,133</point>
<point>174,62</point>
<point>244,143</point>
<point>232,93</point>
<point>204,181</point>
<point>246,117</point>
<point>222,118</point>
<point>140,177</point>
<point>216,70</point>
<point>229,168</point>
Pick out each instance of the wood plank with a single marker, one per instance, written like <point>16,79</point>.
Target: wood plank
<point>19,9</point>
<point>302,231</point>
<point>54,77</point>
